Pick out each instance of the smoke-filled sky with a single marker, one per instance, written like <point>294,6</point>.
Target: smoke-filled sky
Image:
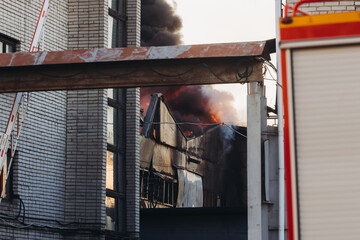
<point>160,26</point>
<point>214,21</point>
<point>171,22</point>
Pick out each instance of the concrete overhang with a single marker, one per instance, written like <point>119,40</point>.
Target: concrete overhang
<point>134,66</point>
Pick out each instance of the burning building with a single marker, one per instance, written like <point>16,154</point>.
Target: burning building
<point>199,182</point>
<point>198,171</point>
<point>194,104</point>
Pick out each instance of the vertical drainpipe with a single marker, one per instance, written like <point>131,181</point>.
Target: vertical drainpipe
<point>278,6</point>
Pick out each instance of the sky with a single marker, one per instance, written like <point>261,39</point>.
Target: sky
<point>214,21</point>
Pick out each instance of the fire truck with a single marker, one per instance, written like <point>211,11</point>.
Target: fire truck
<point>320,70</point>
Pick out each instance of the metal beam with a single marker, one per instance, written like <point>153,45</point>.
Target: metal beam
<point>133,67</point>
<point>223,50</point>
<point>119,74</point>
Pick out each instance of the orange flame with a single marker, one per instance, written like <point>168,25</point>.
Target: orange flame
<point>188,133</point>
<point>214,118</point>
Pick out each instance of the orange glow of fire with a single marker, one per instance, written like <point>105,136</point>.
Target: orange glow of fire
<point>214,118</point>
<point>188,133</point>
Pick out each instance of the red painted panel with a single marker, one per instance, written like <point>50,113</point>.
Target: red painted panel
<point>287,153</point>
<point>309,28</point>
<point>320,31</point>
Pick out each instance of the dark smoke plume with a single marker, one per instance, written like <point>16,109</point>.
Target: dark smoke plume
<point>160,25</point>
<point>196,104</point>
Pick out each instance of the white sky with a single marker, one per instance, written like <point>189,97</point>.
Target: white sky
<point>214,21</point>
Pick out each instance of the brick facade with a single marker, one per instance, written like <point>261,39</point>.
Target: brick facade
<point>86,126</point>
<point>39,170</point>
<point>85,159</point>
<point>87,24</point>
<point>133,161</point>
<point>133,9</point>
<point>59,172</point>
<point>133,12</point>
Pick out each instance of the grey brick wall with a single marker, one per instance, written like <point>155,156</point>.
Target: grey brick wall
<point>87,24</point>
<point>133,161</point>
<point>86,126</point>
<point>19,18</point>
<point>85,160</point>
<point>329,7</point>
<point>59,171</point>
<point>133,11</point>
<point>85,32</point>
<point>39,169</point>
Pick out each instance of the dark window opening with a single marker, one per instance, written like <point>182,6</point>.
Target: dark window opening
<point>7,44</point>
<point>157,189</point>
<point>6,187</point>
<point>116,23</point>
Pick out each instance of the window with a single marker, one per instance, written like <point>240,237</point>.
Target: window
<point>115,161</point>
<point>6,184</point>
<point>116,24</point>
<point>157,189</point>
<point>7,44</point>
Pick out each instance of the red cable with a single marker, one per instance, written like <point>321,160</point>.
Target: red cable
<point>300,11</point>
<point>296,6</point>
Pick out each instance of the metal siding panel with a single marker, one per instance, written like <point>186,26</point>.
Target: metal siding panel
<point>327,112</point>
<point>170,133</point>
<point>147,146</point>
<point>190,190</point>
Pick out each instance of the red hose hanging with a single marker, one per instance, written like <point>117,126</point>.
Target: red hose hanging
<point>299,10</point>
<point>297,5</point>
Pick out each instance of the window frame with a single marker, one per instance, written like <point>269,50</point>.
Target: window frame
<point>118,102</point>
<point>119,16</point>
<point>158,189</point>
<point>9,181</point>
<point>6,40</point>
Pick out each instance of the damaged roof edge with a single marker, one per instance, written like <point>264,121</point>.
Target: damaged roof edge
<point>219,50</point>
<point>156,98</point>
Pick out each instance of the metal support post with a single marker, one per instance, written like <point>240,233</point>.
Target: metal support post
<point>254,129</point>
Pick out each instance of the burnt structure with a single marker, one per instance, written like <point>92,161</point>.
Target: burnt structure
<point>208,170</point>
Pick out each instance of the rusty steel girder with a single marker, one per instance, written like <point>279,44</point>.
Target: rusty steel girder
<point>134,66</point>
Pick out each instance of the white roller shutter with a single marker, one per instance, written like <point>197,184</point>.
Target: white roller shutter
<point>326,83</point>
